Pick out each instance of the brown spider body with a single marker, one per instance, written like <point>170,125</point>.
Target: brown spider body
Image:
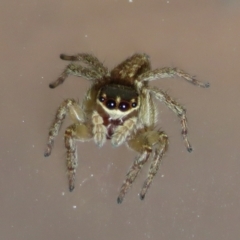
<point>119,106</point>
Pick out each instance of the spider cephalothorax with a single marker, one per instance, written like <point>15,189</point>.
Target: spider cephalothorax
<point>118,106</point>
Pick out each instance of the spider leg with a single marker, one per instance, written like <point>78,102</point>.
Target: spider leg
<point>77,131</point>
<point>132,174</point>
<point>177,109</point>
<point>57,123</point>
<point>157,157</point>
<point>88,59</point>
<point>146,143</point>
<point>170,72</point>
<point>76,70</point>
<point>72,161</point>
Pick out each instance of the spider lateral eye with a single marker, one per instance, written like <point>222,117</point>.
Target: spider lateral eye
<point>101,99</point>
<point>111,104</point>
<point>134,104</point>
<point>123,106</point>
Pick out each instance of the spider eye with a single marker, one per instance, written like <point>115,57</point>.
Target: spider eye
<point>101,99</point>
<point>111,104</point>
<point>123,106</point>
<point>134,104</point>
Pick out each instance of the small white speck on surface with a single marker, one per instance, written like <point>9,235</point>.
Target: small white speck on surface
<point>162,175</point>
<point>130,1</point>
<point>63,193</point>
<point>74,206</point>
<point>86,36</point>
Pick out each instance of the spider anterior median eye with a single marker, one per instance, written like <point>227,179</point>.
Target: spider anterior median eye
<point>111,104</point>
<point>123,106</point>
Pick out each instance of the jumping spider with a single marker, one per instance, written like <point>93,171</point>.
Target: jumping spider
<point>118,106</point>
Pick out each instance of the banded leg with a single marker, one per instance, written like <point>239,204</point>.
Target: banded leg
<point>132,174</point>
<point>57,123</point>
<point>72,161</point>
<point>157,157</point>
<point>76,70</point>
<point>170,72</point>
<point>147,143</point>
<point>177,109</point>
<point>75,132</point>
<point>87,59</point>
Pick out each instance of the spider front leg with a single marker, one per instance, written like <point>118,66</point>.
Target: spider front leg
<point>147,143</point>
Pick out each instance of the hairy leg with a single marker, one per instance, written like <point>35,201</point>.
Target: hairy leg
<point>72,161</point>
<point>177,109</point>
<point>76,70</point>
<point>146,143</point>
<point>87,59</point>
<point>132,174</point>
<point>57,123</point>
<point>74,132</point>
<point>159,151</point>
<point>170,72</point>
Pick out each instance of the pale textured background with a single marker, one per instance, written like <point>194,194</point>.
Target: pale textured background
<point>194,196</point>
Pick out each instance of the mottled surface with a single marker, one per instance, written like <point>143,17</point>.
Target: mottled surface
<point>194,195</point>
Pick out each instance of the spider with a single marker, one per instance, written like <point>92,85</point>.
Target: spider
<point>119,106</point>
